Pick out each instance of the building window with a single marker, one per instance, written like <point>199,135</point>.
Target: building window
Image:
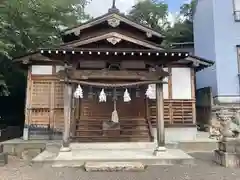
<point>238,58</point>
<point>236,4</point>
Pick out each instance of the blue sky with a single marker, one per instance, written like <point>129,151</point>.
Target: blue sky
<point>174,5</point>
<point>99,7</point>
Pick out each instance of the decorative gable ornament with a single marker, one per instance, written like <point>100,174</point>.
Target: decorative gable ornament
<point>78,93</point>
<point>113,22</point>
<point>77,32</point>
<point>114,40</point>
<point>151,91</point>
<point>149,34</point>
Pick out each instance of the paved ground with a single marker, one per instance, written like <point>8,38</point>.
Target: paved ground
<point>204,169</point>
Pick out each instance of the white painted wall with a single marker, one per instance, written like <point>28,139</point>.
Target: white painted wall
<point>181,83</point>
<point>41,70</point>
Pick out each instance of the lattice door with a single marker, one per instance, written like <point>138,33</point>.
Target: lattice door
<point>46,105</point>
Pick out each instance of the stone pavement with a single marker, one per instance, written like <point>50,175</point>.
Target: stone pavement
<point>204,169</point>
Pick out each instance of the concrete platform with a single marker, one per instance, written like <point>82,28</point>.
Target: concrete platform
<point>77,158</point>
<point>114,166</point>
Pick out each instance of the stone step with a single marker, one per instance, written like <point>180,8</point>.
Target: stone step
<point>119,146</point>
<point>3,159</point>
<point>114,166</point>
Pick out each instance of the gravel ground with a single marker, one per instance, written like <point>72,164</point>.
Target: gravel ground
<point>204,169</point>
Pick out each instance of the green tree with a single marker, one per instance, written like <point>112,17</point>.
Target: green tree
<point>29,24</point>
<point>25,26</point>
<point>188,9</point>
<point>182,30</point>
<point>154,14</point>
<point>151,13</point>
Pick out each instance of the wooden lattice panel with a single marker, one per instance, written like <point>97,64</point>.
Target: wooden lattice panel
<point>182,112</point>
<point>40,118</point>
<point>46,104</point>
<point>58,124</point>
<point>58,94</point>
<point>40,94</point>
<point>152,112</point>
<point>175,111</point>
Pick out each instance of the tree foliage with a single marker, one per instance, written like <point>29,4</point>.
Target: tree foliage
<point>188,9</point>
<point>151,13</point>
<point>182,30</point>
<point>155,13</point>
<point>26,25</point>
<point>29,24</point>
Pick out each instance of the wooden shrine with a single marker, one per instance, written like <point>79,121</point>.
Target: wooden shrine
<point>120,61</point>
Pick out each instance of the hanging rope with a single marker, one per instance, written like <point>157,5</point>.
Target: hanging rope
<point>112,85</point>
<point>115,117</point>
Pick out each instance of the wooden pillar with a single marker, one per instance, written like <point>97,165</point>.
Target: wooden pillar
<point>67,116</point>
<point>28,110</point>
<point>160,119</point>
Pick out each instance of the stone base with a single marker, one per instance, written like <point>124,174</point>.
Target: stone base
<point>65,149</point>
<point>226,159</point>
<point>3,159</point>
<point>159,150</point>
<point>114,166</point>
<point>1,148</point>
<point>25,134</point>
<point>29,154</point>
<point>178,134</point>
<point>78,157</point>
<point>229,145</point>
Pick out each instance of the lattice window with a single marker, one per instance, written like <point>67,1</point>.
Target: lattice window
<point>182,112</point>
<point>236,4</point>
<point>40,118</point>
<point>58,120</point>
<point>40,94</point>
<point>175,112</point>
<point>58,95</point>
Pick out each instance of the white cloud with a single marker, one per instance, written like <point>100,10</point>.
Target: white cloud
<point>99,7</point>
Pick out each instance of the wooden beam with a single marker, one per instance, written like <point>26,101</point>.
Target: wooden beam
<point>111,35</point>
<point>27,106</point>
<point>113,75</point>
<point>110,16</point>
<point>67,116</point>
<point>170,95</point>
<point>160,120</point>
<point>193,86</point>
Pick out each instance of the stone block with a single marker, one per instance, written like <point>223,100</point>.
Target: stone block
<point>29,154</point>
<point>1,148</point>
<point>53,147</point>
<point>230,146</point>
<point>226,159</point>
<point>3,159</point>
<point>114,166</point>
